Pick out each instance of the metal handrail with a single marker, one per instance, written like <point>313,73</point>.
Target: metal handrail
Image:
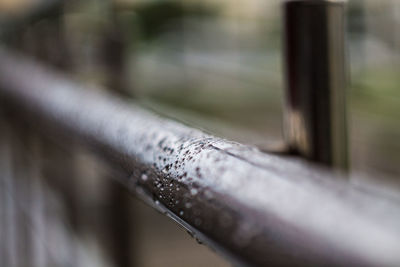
<point>256,208</point>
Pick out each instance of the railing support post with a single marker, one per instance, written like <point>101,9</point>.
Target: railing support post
<point>316,80</point>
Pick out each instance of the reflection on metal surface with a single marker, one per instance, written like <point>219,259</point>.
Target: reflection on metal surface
<point>316,80</point>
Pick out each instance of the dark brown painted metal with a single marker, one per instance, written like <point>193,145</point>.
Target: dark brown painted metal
<point>258,209</point>
<point>315,107</point>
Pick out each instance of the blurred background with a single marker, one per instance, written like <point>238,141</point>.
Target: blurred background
<point>215,65</point>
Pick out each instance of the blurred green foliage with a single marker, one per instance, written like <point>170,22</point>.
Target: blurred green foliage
<point>159,17</point>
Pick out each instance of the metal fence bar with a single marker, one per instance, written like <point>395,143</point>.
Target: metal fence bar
<point>316,80</point>
<point>257,208</point>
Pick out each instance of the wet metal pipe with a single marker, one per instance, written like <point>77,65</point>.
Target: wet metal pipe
<point>316,79</point>
<point>260,209</point>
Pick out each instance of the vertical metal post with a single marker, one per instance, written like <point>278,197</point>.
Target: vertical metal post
<point>316,80</point>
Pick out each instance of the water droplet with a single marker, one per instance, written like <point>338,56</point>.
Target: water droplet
<point>208,194</point>
<point>181,213</point>
<point>199,241</point>
<point>157,202</point>
<point>193,191</point>
<point>188,205</point>
<point>144,177</point>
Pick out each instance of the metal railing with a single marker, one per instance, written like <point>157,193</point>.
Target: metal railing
<point>255,208</point>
